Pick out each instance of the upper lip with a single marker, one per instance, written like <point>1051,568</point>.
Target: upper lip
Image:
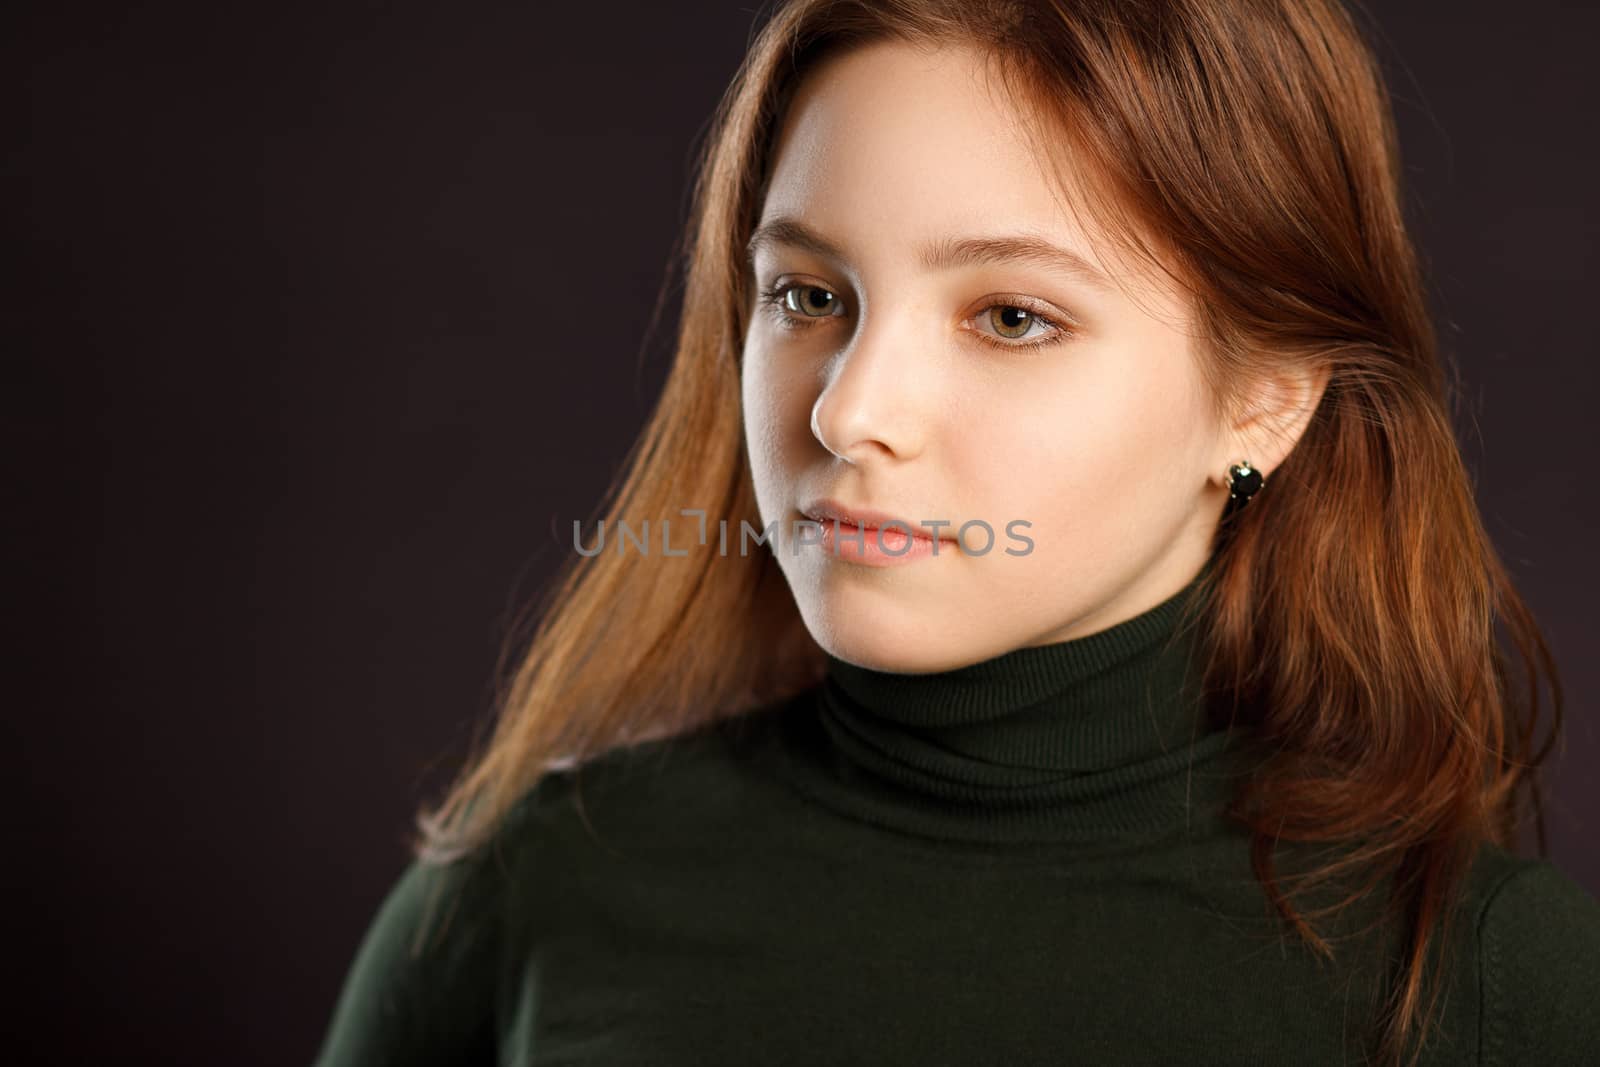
<point>826,510</point>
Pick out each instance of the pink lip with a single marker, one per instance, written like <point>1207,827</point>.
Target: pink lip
<point>826,511</point>
<point>865,536</point>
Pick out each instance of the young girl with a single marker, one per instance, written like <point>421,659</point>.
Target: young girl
<point>1062,629</point>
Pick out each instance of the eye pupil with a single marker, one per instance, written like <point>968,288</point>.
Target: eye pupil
<point>1010,321</point>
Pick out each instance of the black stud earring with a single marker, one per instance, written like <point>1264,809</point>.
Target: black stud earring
<point>1243,481</point>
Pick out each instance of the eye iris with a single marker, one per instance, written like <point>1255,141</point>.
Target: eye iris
<point>815,302</point>
<point>1007,319</point>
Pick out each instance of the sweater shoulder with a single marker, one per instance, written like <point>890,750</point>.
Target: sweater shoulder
<point>644,781</point>
<point>436,956</point>
<point>417,988</point>
<point>1539,964</point>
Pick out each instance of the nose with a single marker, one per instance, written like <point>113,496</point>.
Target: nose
<point>871,407</point>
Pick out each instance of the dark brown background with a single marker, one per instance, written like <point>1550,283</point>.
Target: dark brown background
<point>325,324</point>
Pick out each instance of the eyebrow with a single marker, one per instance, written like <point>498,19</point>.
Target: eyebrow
<point>943,254</point>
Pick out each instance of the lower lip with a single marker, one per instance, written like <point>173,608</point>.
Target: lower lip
<point>846,543</point>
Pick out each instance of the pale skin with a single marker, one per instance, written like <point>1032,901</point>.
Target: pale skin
<point>885,382</point>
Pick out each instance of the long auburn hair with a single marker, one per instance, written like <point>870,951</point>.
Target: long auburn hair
<point>1348,617</point>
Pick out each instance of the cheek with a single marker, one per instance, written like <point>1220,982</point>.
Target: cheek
<point>777,415</point>
<point>1087,455</point>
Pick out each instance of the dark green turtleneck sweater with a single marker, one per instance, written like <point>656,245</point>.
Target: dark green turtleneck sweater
<point>1022,861</point>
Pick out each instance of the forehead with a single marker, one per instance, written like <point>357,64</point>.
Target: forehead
<point>895,149</point>
<point>895,141</point>
<point>907,131</point>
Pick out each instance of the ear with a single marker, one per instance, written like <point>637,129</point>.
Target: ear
<point>1275,415</point>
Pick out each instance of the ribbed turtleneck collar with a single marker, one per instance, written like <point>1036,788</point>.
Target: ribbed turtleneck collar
<point>1100,737</point>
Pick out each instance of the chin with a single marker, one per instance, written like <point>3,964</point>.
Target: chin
<point>887,641</point>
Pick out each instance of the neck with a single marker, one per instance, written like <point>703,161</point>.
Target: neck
<point>1102,736</point>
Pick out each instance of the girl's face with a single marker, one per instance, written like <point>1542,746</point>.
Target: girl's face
<point>940,343</point>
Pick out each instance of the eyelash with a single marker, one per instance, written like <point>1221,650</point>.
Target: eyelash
<point>772,300</point>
